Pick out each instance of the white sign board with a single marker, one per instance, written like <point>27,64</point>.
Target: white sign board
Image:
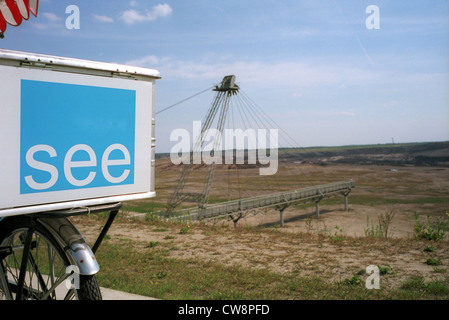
<point>73,135</point>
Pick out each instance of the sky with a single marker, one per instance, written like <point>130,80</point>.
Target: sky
<point>328,72</point>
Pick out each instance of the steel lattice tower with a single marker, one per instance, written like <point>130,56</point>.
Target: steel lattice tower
<point>219,106</point>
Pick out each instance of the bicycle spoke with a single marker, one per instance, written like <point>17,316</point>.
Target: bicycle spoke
<point>34,265</point>
<point>24,263</point>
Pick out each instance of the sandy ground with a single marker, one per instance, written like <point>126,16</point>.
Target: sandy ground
<point>333,246</point>
<point>358,221</point>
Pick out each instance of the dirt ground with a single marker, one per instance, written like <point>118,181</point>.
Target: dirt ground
<point>316,249</point>
<point>355,222</point>
<point>333,246</point>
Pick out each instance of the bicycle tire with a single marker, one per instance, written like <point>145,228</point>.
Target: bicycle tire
<point>47,264</point>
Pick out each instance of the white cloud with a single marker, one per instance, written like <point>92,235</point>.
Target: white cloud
<point>101,18</point>
<point>52,22</point>
<point>51,16</point>
<point>40,26</point>
<point>347,113</point>
<point>148,61</point>
<point>133,3</point>
<point>132,16</point>
<point>296,76</point>
<point>291,74</point>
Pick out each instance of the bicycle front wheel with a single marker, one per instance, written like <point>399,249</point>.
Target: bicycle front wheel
<point>35,267</point>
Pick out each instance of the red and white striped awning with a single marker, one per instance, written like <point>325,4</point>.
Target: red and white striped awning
<point>13,12</point>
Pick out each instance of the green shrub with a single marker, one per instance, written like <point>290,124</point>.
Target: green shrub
<point>434,262</point>
<point>354,281</point>
<point>153,244</point>
<point>184,230</point>
<point>430,232</point>
<point>385,269</point>
<point>381,230</point>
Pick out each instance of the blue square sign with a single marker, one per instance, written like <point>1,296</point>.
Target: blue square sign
<point>75,136</point>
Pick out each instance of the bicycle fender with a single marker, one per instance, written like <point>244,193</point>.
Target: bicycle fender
<point>74,243</point>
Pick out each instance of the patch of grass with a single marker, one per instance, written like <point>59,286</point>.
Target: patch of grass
<point>184,230</point>
<point>383,270</point>
<point>180,279</point>
<point>338,234</point>
<point>372,231</point>
<point>437,288</point>
<point>439,270</point>
<point>151,273</point>
<point>354,281</point>
<point>434,262</point>
<point>143,206</point>
<point>379,201</point>
<point>413,283</point>
<point>153,244</point>
<point>415,287</point>
<point>159,275</point>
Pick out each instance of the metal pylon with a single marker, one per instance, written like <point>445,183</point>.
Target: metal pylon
<point>220,106</point>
